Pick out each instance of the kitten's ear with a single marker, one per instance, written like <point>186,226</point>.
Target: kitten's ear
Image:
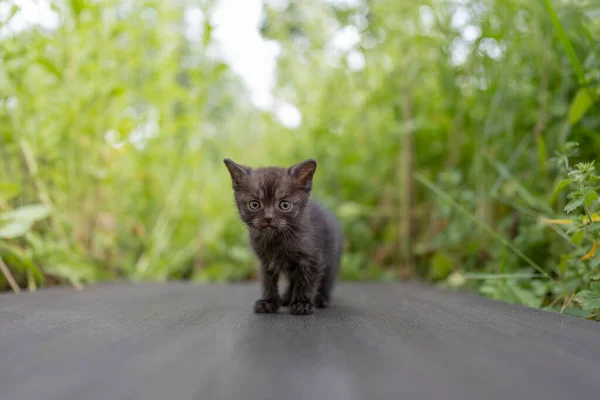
<point>238,172</point>
<point>304,173</point>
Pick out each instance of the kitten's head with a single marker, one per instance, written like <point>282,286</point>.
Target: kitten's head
<point>272,199</point>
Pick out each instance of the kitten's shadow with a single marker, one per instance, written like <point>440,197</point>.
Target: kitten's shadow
<point>340,308</point>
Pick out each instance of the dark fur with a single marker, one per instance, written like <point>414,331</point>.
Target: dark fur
<point>304,243</point>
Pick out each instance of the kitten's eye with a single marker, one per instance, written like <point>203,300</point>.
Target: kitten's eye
<point>254,205</point>
<point>285,205</point>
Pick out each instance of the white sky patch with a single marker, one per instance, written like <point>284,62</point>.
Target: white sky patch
<point>279,5</point>
<point>346,38</point>
<point>194,23</point>
<point>345,3</point>
<point>471,33</point>
<point>427,17</point>
<point>492,48</point>
<point>254,58</point>
<point>32,12</point>
<point>288,115</point>
<point>11,103</point>
<point>355,60</point>
<point>145,130</point>
<point>112,137</point>
<point>360,21</point>
<point>460,51</point>
<point>461,17</point>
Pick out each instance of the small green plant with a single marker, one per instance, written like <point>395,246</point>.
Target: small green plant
<point>580,269</point>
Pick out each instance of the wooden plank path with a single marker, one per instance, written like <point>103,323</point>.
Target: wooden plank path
<point>180,341</point>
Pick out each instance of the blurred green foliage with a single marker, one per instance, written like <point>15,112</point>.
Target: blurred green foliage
<point>435,130</point>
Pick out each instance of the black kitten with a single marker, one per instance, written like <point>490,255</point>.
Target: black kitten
<point>289,233</point>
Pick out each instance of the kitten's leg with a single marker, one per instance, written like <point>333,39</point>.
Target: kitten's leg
<point>323,296</point>
<point>269,302</point>
<point>306,279</point>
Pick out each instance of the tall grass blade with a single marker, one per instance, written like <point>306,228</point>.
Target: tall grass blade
<point>444,196</point>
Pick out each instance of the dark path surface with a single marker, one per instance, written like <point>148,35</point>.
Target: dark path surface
<point>178,341</point>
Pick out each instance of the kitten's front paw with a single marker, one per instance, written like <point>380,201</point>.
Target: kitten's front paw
<point>265,307</point>
<point>301,308</point>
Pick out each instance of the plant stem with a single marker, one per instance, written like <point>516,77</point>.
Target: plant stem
<point>9,277</point>
<point>587,212</point>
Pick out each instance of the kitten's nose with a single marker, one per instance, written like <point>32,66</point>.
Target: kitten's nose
<point>268,219</point>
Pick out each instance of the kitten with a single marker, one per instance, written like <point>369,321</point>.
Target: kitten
<point>289,233</point>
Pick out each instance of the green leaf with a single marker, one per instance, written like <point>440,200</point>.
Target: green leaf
<point>590,197</point>
<point>13,11</point>
<point>24,261</point>
<point>588,299</point>
<point>8,190</point>
<point>595,261</point>
<point>76,271</point>
<point>573,204</point>
<point>207,33</point>
<point>576,312</point>
<point>15,228</point>
<point>33,212</point>
<point>582,102</point>
<point>524,296</point>
<point>594,226</point>
<point>36,243</point>
<point>49,66</point>
<point>441,266</point>
<point>562,184</point>
<point>564,262</point>
<point>77,6</point>
<point>116,91</point>
<point>18,222</point>
<point>566,42</point>
<point>577,238</point>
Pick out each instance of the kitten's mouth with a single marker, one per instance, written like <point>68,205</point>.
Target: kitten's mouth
<point>268,227</point>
